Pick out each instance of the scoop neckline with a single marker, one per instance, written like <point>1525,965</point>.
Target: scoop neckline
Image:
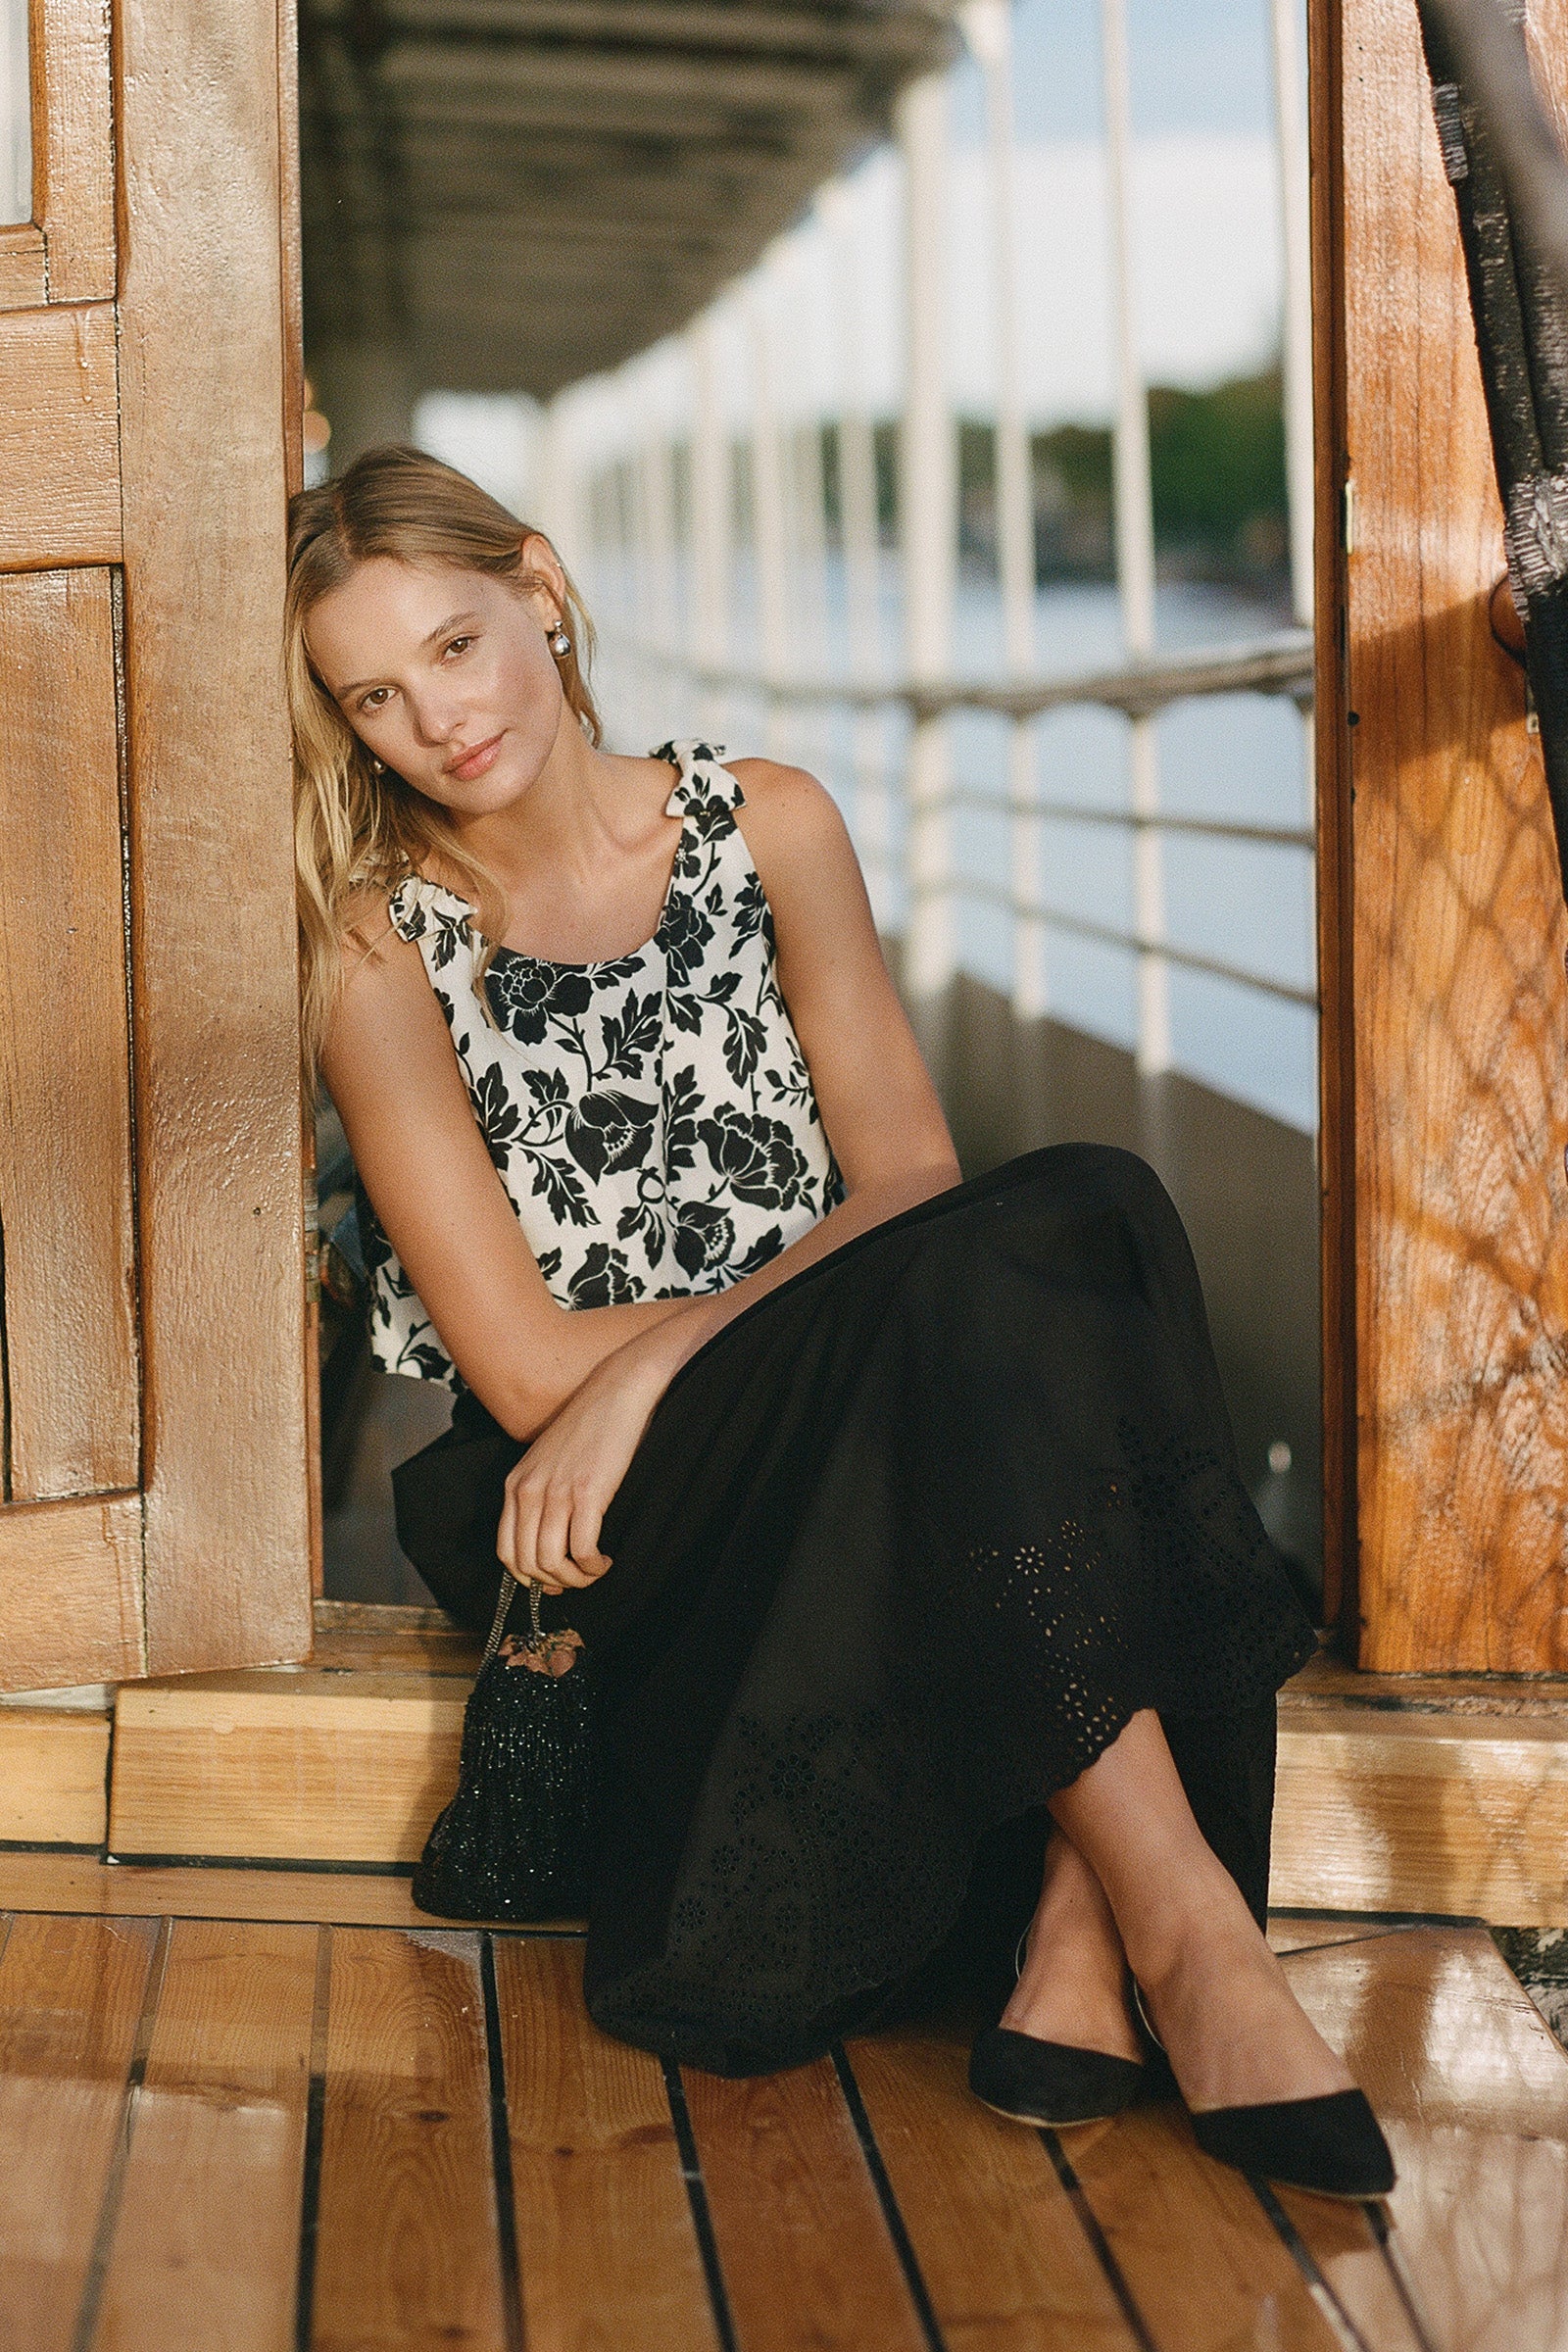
<point>551,963</point>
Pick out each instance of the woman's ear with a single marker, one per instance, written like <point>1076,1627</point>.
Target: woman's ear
<point>545,581</point>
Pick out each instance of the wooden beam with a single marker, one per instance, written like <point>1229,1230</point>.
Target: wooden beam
<point>1393,1796</point>
<point>131,1890</point>
<point>1458,1023</point>
<point>216,1006</point>
<point>54,1765</point>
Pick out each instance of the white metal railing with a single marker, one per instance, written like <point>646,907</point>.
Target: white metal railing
<point>787,547</point>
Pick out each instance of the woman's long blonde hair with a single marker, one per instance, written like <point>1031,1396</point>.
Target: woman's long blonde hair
<point>357,828</point>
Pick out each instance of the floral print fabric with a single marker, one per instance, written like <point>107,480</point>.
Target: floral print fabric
<point>651,1117</point>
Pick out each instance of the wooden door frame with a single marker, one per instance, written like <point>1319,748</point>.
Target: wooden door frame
<point>205,300</point>
<point>149,430</point>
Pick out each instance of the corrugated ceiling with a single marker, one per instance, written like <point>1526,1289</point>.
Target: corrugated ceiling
<point>519,193</point>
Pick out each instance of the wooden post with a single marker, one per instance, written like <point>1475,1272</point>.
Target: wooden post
<point>1445,1026</point>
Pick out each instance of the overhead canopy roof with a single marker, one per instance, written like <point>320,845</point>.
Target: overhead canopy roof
<point>519,193</point>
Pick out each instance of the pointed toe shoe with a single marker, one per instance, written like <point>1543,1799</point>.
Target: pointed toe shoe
<point>1331,2145</point>
<point>1050,2081</point>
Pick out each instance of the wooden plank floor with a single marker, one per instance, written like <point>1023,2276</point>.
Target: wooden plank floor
<point>265,2129</point>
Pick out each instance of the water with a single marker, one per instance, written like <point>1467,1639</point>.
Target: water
<point>1243,758</point>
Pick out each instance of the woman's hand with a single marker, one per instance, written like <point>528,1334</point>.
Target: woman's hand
<point>558,1494</point>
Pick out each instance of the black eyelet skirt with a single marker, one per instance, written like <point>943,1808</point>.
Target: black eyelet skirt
<point>901,1550</point>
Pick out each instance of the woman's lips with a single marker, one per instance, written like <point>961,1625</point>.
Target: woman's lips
<point>473,763</point>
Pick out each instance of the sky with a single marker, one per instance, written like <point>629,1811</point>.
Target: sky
<point>1194,64</point>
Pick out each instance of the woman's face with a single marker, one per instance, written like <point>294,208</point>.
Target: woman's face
<point>444,674</point>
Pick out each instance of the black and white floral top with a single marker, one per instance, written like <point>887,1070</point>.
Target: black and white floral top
<point>652,1118</point>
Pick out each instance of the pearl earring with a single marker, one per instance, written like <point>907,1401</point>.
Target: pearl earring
<point>560,642</point>
<point>379,766</point>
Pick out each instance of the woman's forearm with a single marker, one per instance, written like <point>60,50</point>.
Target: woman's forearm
<point>654,1337</point>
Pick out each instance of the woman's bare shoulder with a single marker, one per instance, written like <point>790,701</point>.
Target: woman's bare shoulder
<point>788,808</point>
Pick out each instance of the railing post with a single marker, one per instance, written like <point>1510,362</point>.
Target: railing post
<point>988,31</point>
<point>769,547</point>
<point>555,499</point>
<point>1134,511</point>
<point>927,530</point>
<point>710,518</point>
<point>656,516</point>
<point>859,540</point>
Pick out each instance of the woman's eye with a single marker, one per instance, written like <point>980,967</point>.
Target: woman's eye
<point>373,699</point>
<point>460,644</point>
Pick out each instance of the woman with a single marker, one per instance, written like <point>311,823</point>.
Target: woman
<point>902,1514</point>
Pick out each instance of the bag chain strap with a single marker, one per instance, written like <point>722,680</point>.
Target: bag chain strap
<point>508,1587</point>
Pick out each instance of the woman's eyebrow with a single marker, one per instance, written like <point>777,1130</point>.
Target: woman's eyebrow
<point>455,620</point>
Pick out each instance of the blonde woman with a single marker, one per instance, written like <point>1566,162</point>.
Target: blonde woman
<point>901,1514</point>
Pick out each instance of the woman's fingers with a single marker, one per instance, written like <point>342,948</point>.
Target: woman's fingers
<point>548,1536</point>
<point>587,1517</point>
<point>553,1564</point>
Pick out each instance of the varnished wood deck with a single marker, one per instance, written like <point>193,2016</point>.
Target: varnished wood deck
<point>244,2109</point>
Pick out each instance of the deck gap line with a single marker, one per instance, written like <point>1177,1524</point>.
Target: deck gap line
<point>314,2119</point>
<point>1331,2310</point>
<point>902,2247</point>
<point>1381,2229</point>
<point>691,2171</point>
<point>113,2186</point>
<point>1088,2222</point>
<point>1340,1944</point>
<point>501,2153</point>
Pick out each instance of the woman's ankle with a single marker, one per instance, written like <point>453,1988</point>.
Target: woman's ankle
<point>1163,1937</point>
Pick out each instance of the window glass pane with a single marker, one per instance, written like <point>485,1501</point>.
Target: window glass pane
<point>16,114</point>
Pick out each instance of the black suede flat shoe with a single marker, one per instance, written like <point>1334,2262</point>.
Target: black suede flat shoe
<point>1331,2146</point>
<point>1050,2081</point>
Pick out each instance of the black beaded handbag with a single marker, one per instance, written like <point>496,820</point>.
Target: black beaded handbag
<point>514,1842</point>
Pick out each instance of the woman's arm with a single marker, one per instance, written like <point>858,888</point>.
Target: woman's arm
<point>882,1118</point>
<point>393,1075</point>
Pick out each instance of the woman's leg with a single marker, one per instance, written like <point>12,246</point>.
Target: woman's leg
<point>1073,1987</point>
<point>1232,2028</point>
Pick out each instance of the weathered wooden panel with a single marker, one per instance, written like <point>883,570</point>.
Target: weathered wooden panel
<point>71,1591</point>
<point>66,1210</point>
<point>59,445</point>
<point>1459,1036</point>
<point>214,957</point>
<point>205,2252</point>
<point>75,202</point>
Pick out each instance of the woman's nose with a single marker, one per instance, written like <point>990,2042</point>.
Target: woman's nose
<point>437,717</point>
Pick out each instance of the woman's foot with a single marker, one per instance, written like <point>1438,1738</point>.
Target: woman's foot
<point>1234,2031</point>
<point>1073,1987</point>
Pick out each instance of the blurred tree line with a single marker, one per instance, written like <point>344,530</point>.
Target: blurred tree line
<point>1217,461</point>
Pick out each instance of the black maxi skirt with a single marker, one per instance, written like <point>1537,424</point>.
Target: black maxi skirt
<point>901,1550</point>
